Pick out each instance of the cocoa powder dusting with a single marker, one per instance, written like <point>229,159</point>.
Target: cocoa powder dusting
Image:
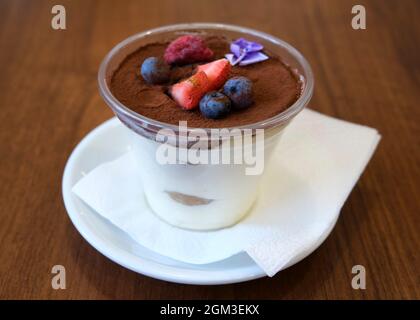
<point>275,89</point>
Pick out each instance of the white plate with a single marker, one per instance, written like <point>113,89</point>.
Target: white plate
<point>107,142</point>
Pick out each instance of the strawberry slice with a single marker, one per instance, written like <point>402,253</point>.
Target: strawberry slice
<point>189,92</point>
<point>217,72</point>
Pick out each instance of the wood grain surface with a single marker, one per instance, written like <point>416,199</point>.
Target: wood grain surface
<point>49,100</point>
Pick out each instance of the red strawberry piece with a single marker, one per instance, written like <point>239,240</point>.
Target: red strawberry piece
<point>189,92</point>
<point>217,72</point>
<point>187,49</point>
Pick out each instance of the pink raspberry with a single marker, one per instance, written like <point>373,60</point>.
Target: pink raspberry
<point>187,49</point>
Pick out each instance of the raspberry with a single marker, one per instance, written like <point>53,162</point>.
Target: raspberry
<point>187,49</point>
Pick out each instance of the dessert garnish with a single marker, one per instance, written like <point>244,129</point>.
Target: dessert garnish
<point>188,93</point>
<point>209,87</point>
<point>215,105</point>
<point>187,49</point>
<point>217,72</point>
<point>155,71</point>
<point>239,90</point>
<point>245,52</point>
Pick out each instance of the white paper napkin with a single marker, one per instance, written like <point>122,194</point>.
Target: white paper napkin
<point>315,166</point>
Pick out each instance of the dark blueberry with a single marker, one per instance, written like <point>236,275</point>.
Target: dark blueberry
<point>155,71</point>
<point>215,105</point>
<point>239,90</point>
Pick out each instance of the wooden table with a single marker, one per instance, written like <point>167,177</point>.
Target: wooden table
<point>49,100</point>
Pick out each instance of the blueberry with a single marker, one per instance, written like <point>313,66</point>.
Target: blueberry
<point>215,105</point>
<point>155,71</point>
<point>239,90</point>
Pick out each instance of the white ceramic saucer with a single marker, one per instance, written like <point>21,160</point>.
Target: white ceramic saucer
<point>107,142</point>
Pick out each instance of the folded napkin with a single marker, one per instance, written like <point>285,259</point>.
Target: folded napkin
<point>315,166</point>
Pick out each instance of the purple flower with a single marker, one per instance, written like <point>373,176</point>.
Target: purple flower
<point>245,52</point>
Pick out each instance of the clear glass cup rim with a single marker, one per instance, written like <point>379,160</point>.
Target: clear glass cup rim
<point>274,121</point>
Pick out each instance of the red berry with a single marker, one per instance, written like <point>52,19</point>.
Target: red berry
<point>188,93</point>
<point>187,49</point>
<point>217,72</point>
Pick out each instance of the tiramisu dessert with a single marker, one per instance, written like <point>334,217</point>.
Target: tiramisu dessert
<point>210,81</point>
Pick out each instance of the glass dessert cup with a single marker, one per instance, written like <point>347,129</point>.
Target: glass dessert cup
<point>204,196</point>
